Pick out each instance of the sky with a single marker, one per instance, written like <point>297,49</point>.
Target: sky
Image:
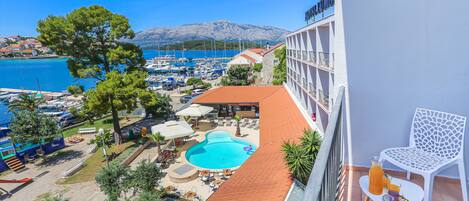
<point>20,17</point>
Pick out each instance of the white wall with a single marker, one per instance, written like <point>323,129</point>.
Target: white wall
<point>401,55</point>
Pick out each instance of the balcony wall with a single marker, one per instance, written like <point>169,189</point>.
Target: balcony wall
<point>401,55</point>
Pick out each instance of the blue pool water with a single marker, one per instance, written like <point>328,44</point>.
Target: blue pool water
<point>219,151</point>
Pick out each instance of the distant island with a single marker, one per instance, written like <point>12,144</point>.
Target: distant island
<point>208,45</point>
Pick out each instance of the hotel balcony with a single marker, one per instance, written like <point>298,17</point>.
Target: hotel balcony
<point>312,90</point>
<point>304,55</point>
<point>312,57</point>
<point>333,179</point>
<point>304,83</point>
<point>323,99</point>
<point>298,54</point>
<point>324,60</point>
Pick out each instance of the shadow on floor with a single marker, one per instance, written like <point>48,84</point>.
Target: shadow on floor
<point>60,157</point>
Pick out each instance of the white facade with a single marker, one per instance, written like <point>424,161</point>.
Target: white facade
<point>310,68</point>
<point>248,57</point>
<point>392,57</point>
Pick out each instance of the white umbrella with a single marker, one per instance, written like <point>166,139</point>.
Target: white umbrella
<point>195,110</point>
<point>173,129</point>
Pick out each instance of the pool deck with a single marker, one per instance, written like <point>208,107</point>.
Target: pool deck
<point>203,190</point>
<point>264,176</point>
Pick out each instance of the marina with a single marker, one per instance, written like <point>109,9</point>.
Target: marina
<point>167,69</point>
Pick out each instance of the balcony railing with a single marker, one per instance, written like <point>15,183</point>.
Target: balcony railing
<point>324,59</point>
<point>294,54</point>
<point>304,55</point>
<point>298,54</point>
<point>325,179</point>
<point>312,57</point>
<point>305,84</point>
<point>312,90</point>
<point>323,99</point>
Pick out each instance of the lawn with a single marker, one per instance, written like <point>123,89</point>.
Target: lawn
<point>97,161</point>
<point>104,123</point>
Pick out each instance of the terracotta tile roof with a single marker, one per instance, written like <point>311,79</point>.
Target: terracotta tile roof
<point>264,176</point>
<point>257,50</point>
<point>248,58</point>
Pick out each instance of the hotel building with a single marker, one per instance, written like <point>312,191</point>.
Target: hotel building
<point>357,72</point>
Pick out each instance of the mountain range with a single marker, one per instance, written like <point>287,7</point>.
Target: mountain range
<point>217,30</point>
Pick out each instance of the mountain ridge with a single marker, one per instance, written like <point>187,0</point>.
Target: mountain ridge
<point>216,30</point>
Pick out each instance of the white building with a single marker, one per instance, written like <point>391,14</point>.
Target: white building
<point>247,57</point>
<point>391,57</point>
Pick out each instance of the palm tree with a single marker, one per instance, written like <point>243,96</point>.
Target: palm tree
<point>157,138</point>
<point>311,142</point>
<point>298,162</point>
<point>237,118</point>
<point>26,102</point>
<point>300,157</point>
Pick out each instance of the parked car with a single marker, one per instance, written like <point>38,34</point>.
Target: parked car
<point>180,83</point>
<point>67,119</point>
<point>197,92</point>
<point>185,99</point>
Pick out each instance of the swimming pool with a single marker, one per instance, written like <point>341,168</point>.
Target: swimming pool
<point>219,151</point>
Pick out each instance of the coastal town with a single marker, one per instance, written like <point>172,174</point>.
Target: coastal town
<point>23,47</point>
<point>96,103</point>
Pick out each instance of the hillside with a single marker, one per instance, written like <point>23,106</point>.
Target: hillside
<point>219,30</point>
<point>209,44</point>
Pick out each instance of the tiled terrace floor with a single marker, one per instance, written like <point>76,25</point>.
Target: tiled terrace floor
<point>444,189</point>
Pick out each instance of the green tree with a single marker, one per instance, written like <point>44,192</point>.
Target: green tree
<point>92,37</point>
<point>157,105</point>
<point>206,85</point>
<point>146,177</point>
<point>75,89</point>
<point>236,76</point>
<point>34,127</point>
<point>195,82</point>
<point>300,157</point>
<point>125,90</point>
<point>280,70</point>
<point>149,196</point>
<point>26,102</point>
<point>157,138</point>
<point>114,180</point>
<point>257,68</point>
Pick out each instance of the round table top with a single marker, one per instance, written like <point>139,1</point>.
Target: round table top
<point>409,190</point>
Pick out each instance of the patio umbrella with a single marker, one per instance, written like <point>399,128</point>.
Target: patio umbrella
<point>173,129</point>
<point>195,110</point>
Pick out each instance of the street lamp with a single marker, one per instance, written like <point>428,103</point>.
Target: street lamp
<point>101,133</point>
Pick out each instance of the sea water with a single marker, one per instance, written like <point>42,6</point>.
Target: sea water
<point>53,74</point>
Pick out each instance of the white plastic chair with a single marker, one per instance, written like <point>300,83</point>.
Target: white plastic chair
<point>436,143</point>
